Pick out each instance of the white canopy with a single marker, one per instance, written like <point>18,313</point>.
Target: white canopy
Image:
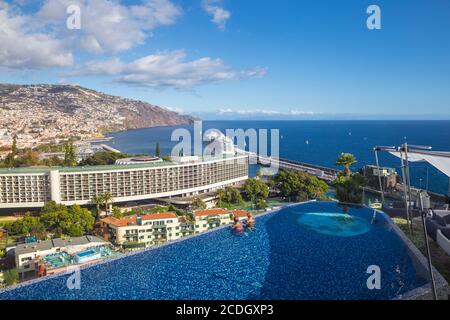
<point>440,160</point>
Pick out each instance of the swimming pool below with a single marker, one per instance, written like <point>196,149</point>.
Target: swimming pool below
<point>308,251</point>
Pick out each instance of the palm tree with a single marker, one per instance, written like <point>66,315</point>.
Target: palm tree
<point>97,200</point>
<point>107,198</point>
<point>346,160</point>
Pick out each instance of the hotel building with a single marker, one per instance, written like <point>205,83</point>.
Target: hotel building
<point>33,187</point>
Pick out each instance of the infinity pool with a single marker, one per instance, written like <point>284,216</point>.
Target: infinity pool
<point>308,251</point>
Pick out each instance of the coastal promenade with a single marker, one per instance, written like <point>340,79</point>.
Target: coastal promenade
<point>324,173</point>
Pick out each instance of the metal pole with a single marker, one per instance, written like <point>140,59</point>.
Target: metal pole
<point>405,191</point>
<point>408,178</point>
<point>427,246</point>
<point>379,177</point>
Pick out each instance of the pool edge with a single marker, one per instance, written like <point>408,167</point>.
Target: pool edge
<point>422,292</point>
<point>126,255</point>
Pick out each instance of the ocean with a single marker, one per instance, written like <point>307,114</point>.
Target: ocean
<point>321,142</point>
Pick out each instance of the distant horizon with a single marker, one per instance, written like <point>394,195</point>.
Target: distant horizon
<point>270,115</point>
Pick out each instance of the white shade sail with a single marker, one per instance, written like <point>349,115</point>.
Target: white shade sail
<point>439,160</point>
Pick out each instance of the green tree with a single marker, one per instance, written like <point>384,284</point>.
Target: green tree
<point>72,221</point>
<point>233,196</point>
<point>177,211</point>
<point>260,204</point>
<point>69,155</point>
<point>299,185</point>
<point>346,160</point>
<point>348,188</point>
<point>107,198</point>
<point>54,161</point>
<point>97,200</point>
<point>256,189</point>
<point>27,158</point>
<point>103,158</point>
<point>117,213</point>
<point>229,196</point>
<point>29,225</point>
<point>11,277</point>
<point>198,203</point>
<point>159,209</point>
<point>14,147</point>
<point>158,151</point>
<point>10,158</point>
<point>220,194</point>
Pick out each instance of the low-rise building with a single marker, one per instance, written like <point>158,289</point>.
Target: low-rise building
<point>373,174</point>
<point>241,214</point>
<point>210,218</point>
<point>148,230</point>
<point>28,256</point>
<point>139,231</point>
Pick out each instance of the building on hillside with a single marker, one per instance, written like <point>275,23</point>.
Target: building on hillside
<point>146,230</point>
<point>373,174</point>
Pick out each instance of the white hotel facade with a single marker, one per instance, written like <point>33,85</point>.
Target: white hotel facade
<point>33,187</point>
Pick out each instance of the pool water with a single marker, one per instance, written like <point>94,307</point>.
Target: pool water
<point>332,223</point>
<point>309,251</point>
<point>85,253</point>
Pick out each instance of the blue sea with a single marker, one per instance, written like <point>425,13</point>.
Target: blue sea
<point>320,142</point>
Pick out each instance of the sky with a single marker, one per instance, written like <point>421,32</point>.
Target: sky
<point>239,58</point>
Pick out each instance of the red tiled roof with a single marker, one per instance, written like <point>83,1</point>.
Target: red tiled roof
<point>127,220</point>
<point>240,213</point>
<point>157,216</point>
<point>210,212</point>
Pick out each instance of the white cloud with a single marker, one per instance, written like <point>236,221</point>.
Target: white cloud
<point>175,109</point>
<point>219,15</point>
<point>169,69</point>
<point>22,47</point>
<point>40,39</point>
<point>109,26</point>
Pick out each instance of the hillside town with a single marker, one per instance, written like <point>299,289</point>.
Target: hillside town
<point>43,114</point>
